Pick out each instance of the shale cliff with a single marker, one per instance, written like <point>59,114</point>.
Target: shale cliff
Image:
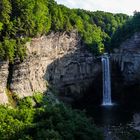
<point>3,81</point>
<point>59,60</point>
<point>62,62</point>
<point>128,59</point>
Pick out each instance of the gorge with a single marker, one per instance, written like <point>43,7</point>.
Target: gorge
<point>61,61</point>
<point>54,73</point>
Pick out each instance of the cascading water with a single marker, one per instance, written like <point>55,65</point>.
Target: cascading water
<point>106,80</point>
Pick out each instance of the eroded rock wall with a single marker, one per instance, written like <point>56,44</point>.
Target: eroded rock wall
<point>62,60</point>
<point>59,59</point>
<point>128,58</point>
<point>3,81</point>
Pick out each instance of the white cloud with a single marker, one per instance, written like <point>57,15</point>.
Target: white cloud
<point>114,6</point>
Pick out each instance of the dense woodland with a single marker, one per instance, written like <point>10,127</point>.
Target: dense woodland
<point>39,118</point>
<point>131,26</point>
<point>21,20</point>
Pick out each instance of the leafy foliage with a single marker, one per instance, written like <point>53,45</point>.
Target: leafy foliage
<point>127,30</point>
<point>22,19</point>
<point>45,122</point>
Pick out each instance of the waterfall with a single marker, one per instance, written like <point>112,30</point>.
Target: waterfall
<point>106,80</point>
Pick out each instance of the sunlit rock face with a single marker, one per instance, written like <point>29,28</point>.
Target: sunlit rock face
<point>128,58</point>
<point>59,59</point>
<point>3,81</point>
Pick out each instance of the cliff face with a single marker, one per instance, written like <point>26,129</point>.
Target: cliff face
<point>3,81</point>
<point>62,61</point>
<point>128,58</point>
<point>59,59</point>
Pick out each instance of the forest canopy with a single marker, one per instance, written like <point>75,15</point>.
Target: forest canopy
<point>24,19</point>
<point>127,30</point>
<point>36,118</point>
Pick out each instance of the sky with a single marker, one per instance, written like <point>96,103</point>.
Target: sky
<point>113,6</point>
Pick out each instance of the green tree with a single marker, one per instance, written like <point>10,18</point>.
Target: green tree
<point>5,11</point>
<point>41,17</point>
<point>9,46</point>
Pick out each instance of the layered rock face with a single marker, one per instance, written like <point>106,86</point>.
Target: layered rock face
<point>3,81</point>
<point>59,59</point>
<point>62,61</point>
<point>72,74</point>
<point>128,58</point>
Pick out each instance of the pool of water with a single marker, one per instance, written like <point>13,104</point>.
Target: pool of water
<point>115,120</point>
